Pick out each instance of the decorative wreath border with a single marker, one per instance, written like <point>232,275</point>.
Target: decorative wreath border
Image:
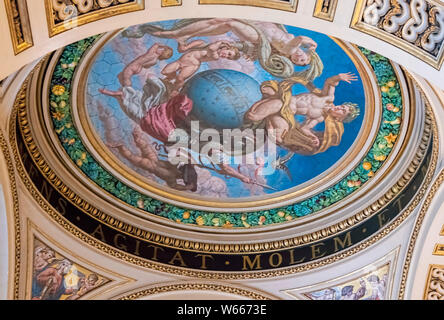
<point>60,106</point>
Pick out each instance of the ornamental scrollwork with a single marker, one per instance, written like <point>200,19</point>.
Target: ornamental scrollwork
<point>416,26</point>
<point>435,283</point>
<point>63,15</point>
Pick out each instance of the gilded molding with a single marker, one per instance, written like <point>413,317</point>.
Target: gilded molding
<point>214,247</point>
<point>195,286</point>
<point>325,9</point>
<point>434,289</point>
<point>19,26</point>
<point>416,26</point>
<point>63,15</point>
<point>388,261</point>
<point>171,3</point>
<point>107,249</point>
<point>426,204</point>
<point>110,280</point>
<point>290,5</point>
<point>442,231</point>
<point>17,237</point>
<point>438,250</point>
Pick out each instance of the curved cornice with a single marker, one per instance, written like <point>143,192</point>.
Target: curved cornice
<point>350,21</point>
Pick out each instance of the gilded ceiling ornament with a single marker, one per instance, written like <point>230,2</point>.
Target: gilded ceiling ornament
<point>19,26</point>
<point>325,9</point>
<point>372,282</point>
<point>434,289</point>
<point>17,245</point>
<point>416,26</point>
<point>62,15</point>
<point>107,230</point>
<point>171,3</point>
<point>195,287</point>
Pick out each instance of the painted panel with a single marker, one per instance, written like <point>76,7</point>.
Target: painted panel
<point>54,277</point>
<point>63,15</point>
<point>325,9</point>
<point>20,29</point>
<point>434,289</point>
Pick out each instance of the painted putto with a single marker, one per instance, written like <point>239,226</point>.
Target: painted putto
<point>55,277</point>
<point>225,108</point>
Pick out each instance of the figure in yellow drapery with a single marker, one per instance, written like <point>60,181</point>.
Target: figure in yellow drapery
<point>278,107</point>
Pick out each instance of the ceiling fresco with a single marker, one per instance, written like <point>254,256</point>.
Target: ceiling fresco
<point>54,277</point>
<point>152,138</point>
<point>127,93</point>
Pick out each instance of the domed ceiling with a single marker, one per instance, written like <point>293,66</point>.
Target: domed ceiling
<point>224,144</point>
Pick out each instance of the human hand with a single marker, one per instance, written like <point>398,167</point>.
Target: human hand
<point>348,77</point>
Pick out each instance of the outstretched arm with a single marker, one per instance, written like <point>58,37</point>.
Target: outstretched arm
<point>331,83</point>
<point>301,41</point>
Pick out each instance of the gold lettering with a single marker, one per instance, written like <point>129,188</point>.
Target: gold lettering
<point>99,231</point>
<point>204,260</point>
<point>316,251</point>
<point>136,250</point>
<point>251,264</point>
<point>155,249</point>
<point>179,258</point>
<point>343,243</point>
<point>32,171</point>
<point>398,202</point>
<point>46,191</point>
<point>382,218</point>
<point>62,205</point>
<point>120,245</point>
<point>271,260</point>
<point>292,261</point>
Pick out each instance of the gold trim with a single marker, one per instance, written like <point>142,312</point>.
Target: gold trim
<point>197,287</point>
<point>438,250</point>
<point>391,258</point>
<point>168,193</point>
<point>171,3</point>
<point>429,279</point>
<point>426,204</point>
<point>219,275</point>
<point>201,274</point>
<point>34,232</point>
<point>442,230</point>
<point>94,15</point>
<point>19,26</point>
<point>221,248</point>
<point>358,24</point>
<point>331,10</point>
<point>290,5</point>
<point>16,211</point>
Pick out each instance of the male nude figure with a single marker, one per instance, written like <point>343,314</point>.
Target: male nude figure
<point>312,105</point>
<point>285,43</point>
<point>195,53</point>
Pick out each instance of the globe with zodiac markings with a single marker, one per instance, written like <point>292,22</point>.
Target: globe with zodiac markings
<point>221,97</point>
